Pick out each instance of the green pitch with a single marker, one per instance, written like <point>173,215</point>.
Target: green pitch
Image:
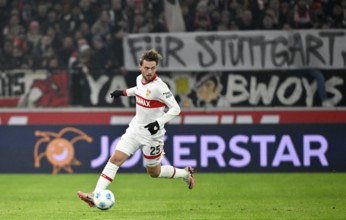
<point>216,196</point>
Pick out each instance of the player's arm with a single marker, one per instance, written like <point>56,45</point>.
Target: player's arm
<point>166,97</point>
<point>172,105</point>
<point>124,92</point>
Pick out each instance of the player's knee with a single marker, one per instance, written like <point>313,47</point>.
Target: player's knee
<point>118,158</point>
<point>154,175</point>
<point>154,171</point>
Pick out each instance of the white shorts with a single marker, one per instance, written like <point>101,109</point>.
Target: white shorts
<point>139,137</point>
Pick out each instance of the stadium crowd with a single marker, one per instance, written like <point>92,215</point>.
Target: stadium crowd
<point>65,34</point>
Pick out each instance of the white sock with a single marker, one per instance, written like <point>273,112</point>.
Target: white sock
<point>172,172</point>
<point>107,176</point>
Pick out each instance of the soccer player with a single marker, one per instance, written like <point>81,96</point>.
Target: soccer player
<point>146,130</point>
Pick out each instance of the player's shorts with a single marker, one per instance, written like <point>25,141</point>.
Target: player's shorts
<point>136,138</point>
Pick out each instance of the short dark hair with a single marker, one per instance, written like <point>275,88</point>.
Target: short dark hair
<point>150,55</point>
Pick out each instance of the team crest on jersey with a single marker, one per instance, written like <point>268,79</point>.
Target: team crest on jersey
<point>148,93</point>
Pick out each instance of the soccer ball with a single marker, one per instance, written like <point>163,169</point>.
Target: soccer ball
<point>104,199</point>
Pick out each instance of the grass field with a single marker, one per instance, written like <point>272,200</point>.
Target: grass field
<point>216,196</point>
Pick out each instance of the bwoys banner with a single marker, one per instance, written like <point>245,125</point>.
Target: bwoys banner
<point>209,148</point>
<point>209,89</point>
<point>241,50</point>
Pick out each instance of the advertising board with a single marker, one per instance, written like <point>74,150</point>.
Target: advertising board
<point>209,148</point>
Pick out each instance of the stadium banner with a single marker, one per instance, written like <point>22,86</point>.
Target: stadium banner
<point>209,148</point>
<point>241,50</point>
<point>29,88</point>
<point>295,88</point>
<point>212,89</point>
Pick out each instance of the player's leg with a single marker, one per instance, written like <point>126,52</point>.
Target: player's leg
<point>111,169</point>
<point>168,171</point>
<point>107,175</point>
<point>153,157</point>
<point>125,148</point>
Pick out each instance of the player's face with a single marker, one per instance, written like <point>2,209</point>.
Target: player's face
<point>148,70</point>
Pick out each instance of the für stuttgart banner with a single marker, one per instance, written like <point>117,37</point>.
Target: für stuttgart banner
<point>209,148</point>
<point>241,50</point>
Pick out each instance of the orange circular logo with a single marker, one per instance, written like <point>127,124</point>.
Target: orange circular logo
<point>60,152</point>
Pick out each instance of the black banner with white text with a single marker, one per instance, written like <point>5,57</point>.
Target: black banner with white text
<point>214,89</point>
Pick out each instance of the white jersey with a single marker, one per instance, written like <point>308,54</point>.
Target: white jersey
<point>151,101</point>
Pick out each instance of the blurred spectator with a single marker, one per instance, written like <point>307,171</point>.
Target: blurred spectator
<point>6,55</point>
<point>140,7</point>
<point>320,19</point>
<point>138,25</point>
<point>219,5</point>
<point>72,18</point>
<point>47,57</point>
<point>215,16</point>
<point>83,57</point>
<point>246,22</point>
<point>53,64</point>
<point>226,22</point>
<point>56,42</point>
<point>302,16</point>
<point>102,58</point>
<point>284,14</point>
<point>156,7</point>
<point>42,52</point>
<point>257,8</point>
<point>339,16</point>
<point>118,32</point>
<point>4,14</point>
<point>81,42</point>
<point>19,58</point>
<point>43,49</point>
<point>65,52</point>
<point>202,19</point>
<point>34,34</point>
<point>274,11</point>
<point>118,15</point>
<point>27,13</point>
<point>188,16</point>
<point>235,9</point>
<point>89,9</point>
<point>155,24</point>
<point>52,22</point>
<point>102,25</point>
<point>130,12</point>
<point>41,15</point>
<point>13,28</point>
<point>268,22</point>
<point>82,53</point>
<point>85,31</point>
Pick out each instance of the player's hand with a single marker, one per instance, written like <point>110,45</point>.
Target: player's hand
<point>117,93</point>
<point>153,127</point>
